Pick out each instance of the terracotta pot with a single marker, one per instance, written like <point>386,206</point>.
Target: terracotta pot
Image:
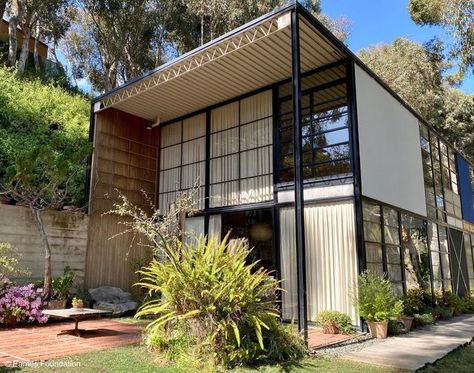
<point>378,329</point>
<point>10,320</point>
<point>407,321</point>
<point>4,200</point>
<point>56,304</point>
<point>330,328</point>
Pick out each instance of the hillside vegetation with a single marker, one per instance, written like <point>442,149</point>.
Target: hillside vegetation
<point>32,114</point>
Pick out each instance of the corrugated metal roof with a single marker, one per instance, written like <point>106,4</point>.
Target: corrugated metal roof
<point>254,56</point>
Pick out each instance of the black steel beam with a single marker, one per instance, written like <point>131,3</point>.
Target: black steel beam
<point>298,168</point>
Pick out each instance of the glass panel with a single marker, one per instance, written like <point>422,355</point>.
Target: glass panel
<point>375,268</point>
<point>373,252</point>
<point>390,217</point>
<point>393,255</point>
<point>333,168</point>
<point>392,235</point>
<point>371,212</point>
<point>394,272</point>
<point>445,265</point>
<point>372,232</point>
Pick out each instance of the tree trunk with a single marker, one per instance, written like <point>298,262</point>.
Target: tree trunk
<point>47,288</point>
<point>12,40</point>
<point>25,48</point>
<point>3,5</point>
<point>35,51</point>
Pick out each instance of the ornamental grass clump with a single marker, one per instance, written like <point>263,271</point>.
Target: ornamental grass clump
<point>211,306</point>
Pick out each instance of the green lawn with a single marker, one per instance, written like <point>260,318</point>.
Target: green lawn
<point>137,359</point>
<point>459,361</point>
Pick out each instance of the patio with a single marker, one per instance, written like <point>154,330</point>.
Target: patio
<point>46,342</point>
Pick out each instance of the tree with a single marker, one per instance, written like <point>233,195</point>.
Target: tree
<point>419,75</point>
<point>15,13</point>
<point>457,18</point>
<point>3,6</point>
<point>112,41</point>
<point>42,178</point>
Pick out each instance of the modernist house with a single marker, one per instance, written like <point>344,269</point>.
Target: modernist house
<point>297,146</point>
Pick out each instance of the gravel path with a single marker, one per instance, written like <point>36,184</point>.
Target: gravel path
<point>356,344</point>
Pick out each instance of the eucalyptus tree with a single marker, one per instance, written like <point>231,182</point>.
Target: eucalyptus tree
<point>456,17</point>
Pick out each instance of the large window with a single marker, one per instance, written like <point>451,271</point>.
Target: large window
<point>427,171</point>
<point>325,129</point>
<point>416,253</point>
<point>438,243</point>
<point>241,165</point>
<point>382,242</point>
<point>182,160</point>
<point>469,248</point>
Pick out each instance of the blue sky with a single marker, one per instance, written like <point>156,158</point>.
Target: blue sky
<point>376,21</point>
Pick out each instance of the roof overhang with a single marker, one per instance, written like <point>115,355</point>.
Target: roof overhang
<point>253,56</point>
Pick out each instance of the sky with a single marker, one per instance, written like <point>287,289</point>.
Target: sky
<point>373,22</point>
<point>377,21</point>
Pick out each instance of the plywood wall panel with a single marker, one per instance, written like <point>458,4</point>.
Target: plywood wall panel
<point>125,158</point>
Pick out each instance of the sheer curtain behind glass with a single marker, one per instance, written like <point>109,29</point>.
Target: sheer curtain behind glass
<point>182,160</point>
<point>241,164</point>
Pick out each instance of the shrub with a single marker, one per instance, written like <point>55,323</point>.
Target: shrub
<point>24,303</point>
<point>449,300</point>
<point>329,318</point>
<point>415,301</point>
<point>395,327</point>
<point>441,313</point>
<point>425,318</point>
<point>210,303</point>
<point>62,285</point>
<point>467,304</point>
<point>375,298</point>
<point>10,262</point>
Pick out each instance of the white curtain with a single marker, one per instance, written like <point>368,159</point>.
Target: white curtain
<point>241,146</point>
<point>331,260</point>
<point>182,160</point>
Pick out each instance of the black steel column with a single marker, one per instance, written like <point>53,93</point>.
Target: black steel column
<point>298,168</point>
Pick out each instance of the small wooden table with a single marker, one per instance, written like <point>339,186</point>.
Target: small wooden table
<point>77,314</point>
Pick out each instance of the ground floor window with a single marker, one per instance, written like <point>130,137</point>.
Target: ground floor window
<point>254,225</point>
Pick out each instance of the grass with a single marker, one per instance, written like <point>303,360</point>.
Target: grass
<point>458,361</point>
<point>139,359</point>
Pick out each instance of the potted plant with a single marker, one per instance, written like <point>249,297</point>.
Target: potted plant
<point>413,303</point>
<point>334,322</point>
<point>77,303</point>
<point>376,303</point>
<point>62,289</point>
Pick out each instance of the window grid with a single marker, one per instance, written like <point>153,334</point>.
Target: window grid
<point>338,166</point>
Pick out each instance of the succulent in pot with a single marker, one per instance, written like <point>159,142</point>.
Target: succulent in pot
<point>376,302</point>
<point>77,303</point>
<point>62,289</point>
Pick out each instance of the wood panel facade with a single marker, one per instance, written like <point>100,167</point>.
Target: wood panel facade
<point>125,159</point>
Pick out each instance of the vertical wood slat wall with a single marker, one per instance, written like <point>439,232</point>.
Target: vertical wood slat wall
<point>125,158</point>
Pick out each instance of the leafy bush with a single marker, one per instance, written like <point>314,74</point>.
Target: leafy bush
<point>210,303</point>
<point>32,115</point>
<point>425,318</point>
<point>23,303</point>
<point>10,262</point>
<point>342,321</point>
<point>395,327</point>
<point>415,301</point>
<point>449,300</point>
<point>375,299</point>
<point>467,304</point>
<point>62,285</point>
<point>441,313</point>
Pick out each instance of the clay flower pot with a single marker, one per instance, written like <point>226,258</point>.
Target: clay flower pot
<point>56,304</point>
<point>330,328</point>
<point>10,320</point>
<point>407,321</point>
<point>378,329</point>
